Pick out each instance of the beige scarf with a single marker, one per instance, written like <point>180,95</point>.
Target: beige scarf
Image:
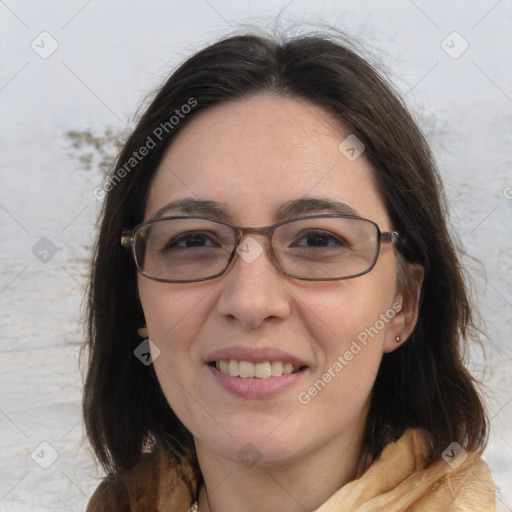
<point>396,482</point>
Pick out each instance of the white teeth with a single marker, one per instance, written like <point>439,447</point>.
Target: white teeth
<point>262,370</point>
<point>287,368</point>
<point>276,367</point>
<point>233,368</point>
<point>248,370</point>
<point>223,366</point>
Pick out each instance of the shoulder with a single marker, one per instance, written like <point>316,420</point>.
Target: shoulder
<point>158,483</point>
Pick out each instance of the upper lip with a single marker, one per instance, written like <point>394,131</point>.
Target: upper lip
<point>253,355</point>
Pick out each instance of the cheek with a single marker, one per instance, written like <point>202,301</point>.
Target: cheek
<point>345,310</point>
<point>173,314</point>
<point>174,317</point>
<point>349,321</point>
<point>349,334</point>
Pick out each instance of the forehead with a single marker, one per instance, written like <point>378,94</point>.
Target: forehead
<point>254,155</point>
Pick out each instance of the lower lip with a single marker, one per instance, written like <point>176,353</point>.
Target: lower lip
<point>254,387</point>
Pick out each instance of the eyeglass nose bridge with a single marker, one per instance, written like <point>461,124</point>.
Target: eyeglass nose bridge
<point>241,232</point>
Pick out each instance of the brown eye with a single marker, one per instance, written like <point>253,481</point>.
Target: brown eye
<point>319,239</point>
<point>191,240</point>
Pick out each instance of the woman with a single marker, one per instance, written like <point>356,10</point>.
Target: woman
<point>276,308</point>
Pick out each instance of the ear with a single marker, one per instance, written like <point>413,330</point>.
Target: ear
<point>405,320</point>
<point>142,332</point>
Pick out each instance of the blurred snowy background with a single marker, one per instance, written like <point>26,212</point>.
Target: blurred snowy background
<point>87,65</point>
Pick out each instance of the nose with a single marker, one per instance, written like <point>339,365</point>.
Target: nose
<point>253,290</point>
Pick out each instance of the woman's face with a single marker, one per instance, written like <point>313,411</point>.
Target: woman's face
<point>252,157</point>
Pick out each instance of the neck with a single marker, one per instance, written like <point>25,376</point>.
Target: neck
<point>302,483</point>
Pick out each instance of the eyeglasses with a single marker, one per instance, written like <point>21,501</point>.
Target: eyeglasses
<point>312,248</point>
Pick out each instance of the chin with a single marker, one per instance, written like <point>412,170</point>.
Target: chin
<point>256,447</point>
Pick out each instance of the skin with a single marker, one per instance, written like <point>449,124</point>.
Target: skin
<point>253,155</point>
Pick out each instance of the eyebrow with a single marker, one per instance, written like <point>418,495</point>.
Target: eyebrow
<point>313,205</point>
<point>192,206</point>
<point>295,207</point>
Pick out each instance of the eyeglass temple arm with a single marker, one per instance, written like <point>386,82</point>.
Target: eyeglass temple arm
<point>126,239</point>
<point>390,237</point>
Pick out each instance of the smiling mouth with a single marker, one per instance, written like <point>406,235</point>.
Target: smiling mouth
<point>260,370</point>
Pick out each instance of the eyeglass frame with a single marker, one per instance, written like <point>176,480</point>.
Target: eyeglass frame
<point>128,242</point>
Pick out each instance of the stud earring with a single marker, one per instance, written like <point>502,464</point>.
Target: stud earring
<point>397,339</point>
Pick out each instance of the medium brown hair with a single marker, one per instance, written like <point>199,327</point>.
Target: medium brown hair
<point>423,384</point>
